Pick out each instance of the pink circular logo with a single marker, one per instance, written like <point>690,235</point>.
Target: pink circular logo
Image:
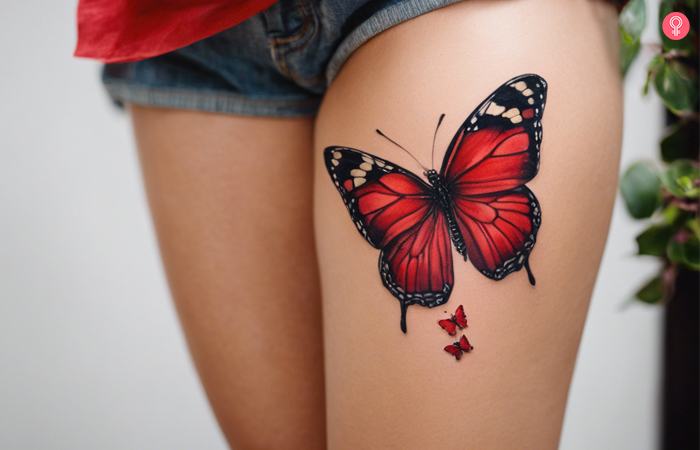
<point>676,26</point>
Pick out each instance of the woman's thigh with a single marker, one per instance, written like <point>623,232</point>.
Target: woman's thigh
<point>387,389</point>
<point>231,201</point>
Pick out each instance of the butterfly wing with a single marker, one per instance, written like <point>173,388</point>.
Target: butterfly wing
<point>500,230</point>
<point>494,153</point>
<point>449,326</point>
<point>397,212</point>
<point>464,344</point>
<point>460,317</point>
<point>497,147</point>
<point>454,350</point>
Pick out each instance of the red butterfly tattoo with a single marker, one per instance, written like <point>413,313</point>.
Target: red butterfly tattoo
<point>459,347</point>
<point>458,319</point>
<point>478,201</point>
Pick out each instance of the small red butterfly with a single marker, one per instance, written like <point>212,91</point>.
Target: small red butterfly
<point>458,319</point>
<point>460,347</point>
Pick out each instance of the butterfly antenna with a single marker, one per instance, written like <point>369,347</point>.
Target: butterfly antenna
<point>432,155</point>
<point>394,142</point>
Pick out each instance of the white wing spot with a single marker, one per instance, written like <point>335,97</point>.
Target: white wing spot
<point>517,119</point>
<point>520,85</point>
<point>511,113</point>
<point>495,110</point>
<point>527,92</point>
<point>368,159</point>
<point>366,166</point>
<point>358,181</point>
<point>358,173</point>
<point>335,162</point>
<point>337,155</point>
<point>379,163</point>
<point>531,101</point>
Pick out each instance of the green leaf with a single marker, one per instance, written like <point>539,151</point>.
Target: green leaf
<point>691,254</point>
<point>674,251</point>
<point>681,141</point>
<point>628,51</point>
<point>640,188</point>
<point>692,259</point>
<point>671,213</point>
<point>654,240</point>
<point>632,20</point>
<point>679,177</point>
<point>654,66</point>
<point>685,183</point>
<point>652,292</point>
<point>693,225</point>
<point>686,252</point>
<point>677,92</point>
<point>686,44</point>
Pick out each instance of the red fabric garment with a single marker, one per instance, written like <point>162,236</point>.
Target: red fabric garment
<point>130,30</point>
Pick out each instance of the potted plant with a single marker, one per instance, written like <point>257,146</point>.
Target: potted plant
<point>665,193</point>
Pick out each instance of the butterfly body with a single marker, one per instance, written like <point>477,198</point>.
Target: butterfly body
<point>477,201</point>
<point>442,194</point>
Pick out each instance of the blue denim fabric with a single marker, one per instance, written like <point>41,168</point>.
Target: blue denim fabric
<point>277,63</point>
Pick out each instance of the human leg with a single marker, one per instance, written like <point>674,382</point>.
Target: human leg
<point>387,389</point>
<point>231,201</point>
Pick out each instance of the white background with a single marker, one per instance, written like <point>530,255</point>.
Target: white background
<point>91,355</point>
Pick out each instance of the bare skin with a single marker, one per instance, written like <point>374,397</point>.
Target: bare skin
<point>239,255</point>
<point>386,389</point>
<point>232,203</point>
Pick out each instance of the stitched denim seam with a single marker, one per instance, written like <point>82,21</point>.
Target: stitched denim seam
<point>304,28</point>
<point>279,52</point>
<point>117,88</point>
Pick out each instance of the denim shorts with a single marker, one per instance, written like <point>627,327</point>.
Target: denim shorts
<point>276,63</point>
